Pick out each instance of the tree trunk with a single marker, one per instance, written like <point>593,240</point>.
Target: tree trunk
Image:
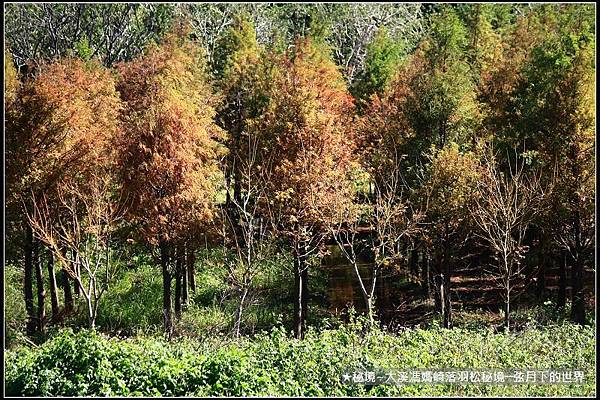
<point>447,302</point>
<point>442,299</point>
<point>414,267</point>
<point>382,297</point>
<point>367,293</point>
<point>540,288</point>
<point>442,295</point>
<point>577,292</point>
<point>28,281</point>
<point>425,274</point>
<point>167,316</point>
<point>304,298</point>
<point>297,302</point>
<point>76,288</point>
<point>507,310</point>
<point>237,133</point>
<point>228,185</point>
<point>91,316</point>
<point>66,284</point>
<point>301,295</point>
<point>562,282</point>
<point>41,290</point>
<point>178,281</point>
<point>370,313</point>
<point>53,288</point>
<point>301,298</point>
<point>238,314</point>
<point>371,299</point>
<point>191,260</point>
<point>447,309</point>
<point>184,279</point>
<point>237,186</point>
<point>438,282</point>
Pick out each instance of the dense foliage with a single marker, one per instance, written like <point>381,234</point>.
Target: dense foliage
<point>223,169</point>
<point>272,364</point>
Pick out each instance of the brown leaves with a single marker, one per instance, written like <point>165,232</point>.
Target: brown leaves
<point>307,127</point>
<point>67,119</point>
<point>169,152</point>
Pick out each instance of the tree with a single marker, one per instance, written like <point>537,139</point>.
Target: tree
<point>503,210</point>
<point>547,107</point>
<point>252,236</point>
<point>346,28</point>
<point>11,80</point>
<point>382,57</point>
<point>242,68</point>
<point>109,32</point>
<point>13,226</point>
<point>78,232</point>
<point>63,117</point>
<point>379,226</point>
<point>484,41</point>
<point>430,100</point>
<point>169,151</point>
<point>562,70</point>
<point>353,26</point>
<point>384,133</point>
<point>209,22</point>
<point>500,82</point>
<point>305,126</point>
<point>449,185</point>
<point>56,129</point>
<point>445,107</point>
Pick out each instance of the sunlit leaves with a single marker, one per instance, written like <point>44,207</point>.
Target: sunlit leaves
<point>170,149</point>
<point>11,80</point>
<point>66,117</point>
<point>383,54</point>
<point>306,127</point>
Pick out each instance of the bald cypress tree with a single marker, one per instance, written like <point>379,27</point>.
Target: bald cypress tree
<point>305,129</point>
<point>170,151</point>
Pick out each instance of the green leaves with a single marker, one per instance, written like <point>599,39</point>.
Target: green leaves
<point>273,364</point>
<point>383,54</point>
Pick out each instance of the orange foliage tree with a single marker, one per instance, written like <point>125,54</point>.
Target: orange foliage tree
<point>12,86</point>
<point>306,128</point>
<point>169,151</point>
<point>57,131</point>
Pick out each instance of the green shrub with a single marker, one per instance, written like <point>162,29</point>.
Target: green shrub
<point>274,364</point>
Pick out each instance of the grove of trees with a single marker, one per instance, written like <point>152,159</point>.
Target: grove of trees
<point>453,134</point>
